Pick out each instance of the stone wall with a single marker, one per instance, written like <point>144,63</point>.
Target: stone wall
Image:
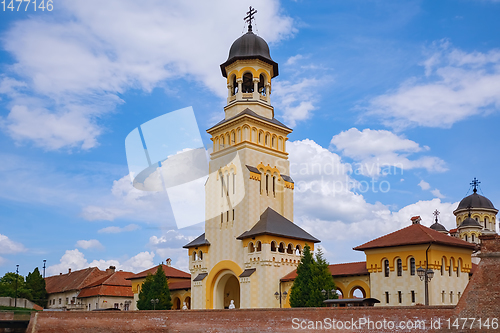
<point>481,299</point>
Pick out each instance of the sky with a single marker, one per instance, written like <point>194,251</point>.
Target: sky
<point>400,99</point>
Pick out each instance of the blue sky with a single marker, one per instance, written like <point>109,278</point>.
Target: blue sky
<point>364,84</point>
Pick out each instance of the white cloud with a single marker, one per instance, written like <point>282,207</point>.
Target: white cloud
<point>127,201</point>
<point>380,152</point>
<point>456,85</point>
<point>424,185</point>
<point>8,246</point>
<point>75,260</point>
<point>89,244</point>
<point>77,64</point>
<point>293,59</point>
<point>116,230</point>
<point>331,206</point>
<point>296,99</point>
<point>437,194</point>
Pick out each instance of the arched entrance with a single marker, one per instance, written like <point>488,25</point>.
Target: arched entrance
<point>176,304</point>
<point>227,289</point>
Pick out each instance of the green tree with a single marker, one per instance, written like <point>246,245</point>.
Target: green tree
<point>36,283</point>
<point>313,276</point>
<point>8,286</point>
<point>155,287</point>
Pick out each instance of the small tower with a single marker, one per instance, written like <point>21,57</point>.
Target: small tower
<point>474,214</point>
<point>438,226</point>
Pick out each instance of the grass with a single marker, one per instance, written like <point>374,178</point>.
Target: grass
<point>16,310</point>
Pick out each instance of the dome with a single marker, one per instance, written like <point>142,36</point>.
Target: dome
<point>438,227</point>
<point>249,46</point>
<point>470,222</point>
<point>475,201</point>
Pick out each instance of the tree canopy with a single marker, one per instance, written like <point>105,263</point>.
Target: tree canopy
<point>33,288</point>
<point>312,278</point>
<point>155,287</point>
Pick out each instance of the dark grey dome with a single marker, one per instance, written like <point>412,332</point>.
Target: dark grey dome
<point>470,222</point>
<point>475,201</point>
<point>438,227</point>
<point>249,46</point>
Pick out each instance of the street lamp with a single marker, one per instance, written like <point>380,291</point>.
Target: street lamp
<point>17,275</point>
<point>281,296</point>
<point>44,261</point>
<point>327,293</point>
<point>154,302</point>
<point>425,275</point>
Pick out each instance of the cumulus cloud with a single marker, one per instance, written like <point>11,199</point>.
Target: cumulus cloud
<point>77,65</point>
<point>125,200</point>
<point>437,194</point>
<point>329,202</point>
<point>424,185</point>
<point>117,230</point>
<point>380,152</point>
<point>456,85</point>
<point>76,260</point>
<point>8,246</point>
<point>89,244</point>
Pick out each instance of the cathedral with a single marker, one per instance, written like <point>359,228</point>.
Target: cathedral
<point>250,240</point>
<point>248,255</point>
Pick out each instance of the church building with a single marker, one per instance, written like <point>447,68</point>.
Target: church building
<point>250,240</point>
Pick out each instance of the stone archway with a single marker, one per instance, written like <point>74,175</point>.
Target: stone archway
<point>227,288</point>
<point>176,304</point>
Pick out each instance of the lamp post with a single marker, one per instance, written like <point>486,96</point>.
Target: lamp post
<point>154,302</point>
<point>281,296</point>
<point>17,275</point>
<point>44,261</point>
<point>425,275</point>
<point>327,293</point>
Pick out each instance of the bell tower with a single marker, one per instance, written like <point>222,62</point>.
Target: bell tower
<point>250,241</point>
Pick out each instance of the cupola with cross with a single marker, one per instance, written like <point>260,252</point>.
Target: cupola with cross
<point>249,69</point>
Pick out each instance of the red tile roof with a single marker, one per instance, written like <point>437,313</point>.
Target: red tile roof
<point>473,268</point>
<point>180,285</point>
<point>113,284</point>
<point>170,272</point>
<point>73,281</point>
<point>413,235</point>
<point>337,270</point>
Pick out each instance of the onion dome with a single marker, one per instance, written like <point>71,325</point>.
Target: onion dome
<point>249,46</point>
<point>475,201</point>
<point>438,227</point>
<point>471,223</point>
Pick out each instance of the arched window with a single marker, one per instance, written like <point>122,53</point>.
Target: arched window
<point>442,266</point>
<point>274,186</point>
<point>289,249</point>
<point>260,137</point>
<point>200,255</point>
<point>195,256</point>
<point>247,85</point>
<point>451,267</point>
<point>485,223</point>
<point>400,267</point>
<point>459,263</point>
<point>267,184</point>
<point>412,266</point>
<point>386,268</point>
<point>281,249</point>
<point>273,246</point>
<point>472,236</point>
<point>233,138</point>
<point>235,86</point>
<point>297,250</point>
<point>251,249</point>
<point>258,246</point>
<point>262,85</point>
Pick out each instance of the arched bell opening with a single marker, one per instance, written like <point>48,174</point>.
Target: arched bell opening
<point>247,85</point>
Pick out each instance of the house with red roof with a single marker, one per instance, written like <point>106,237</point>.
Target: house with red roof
<point>179,283</point>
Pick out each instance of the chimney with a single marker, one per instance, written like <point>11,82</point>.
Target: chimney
<point>416,220</point>
<point>169,262</point>
<point>69,270</point>
<point>111,269</point>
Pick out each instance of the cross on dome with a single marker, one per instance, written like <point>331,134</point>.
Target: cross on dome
<point>475,183</point>
<point>250,17</point>
<point>436,213</point>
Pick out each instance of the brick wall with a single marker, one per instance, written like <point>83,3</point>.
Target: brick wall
<point>481,299</point>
